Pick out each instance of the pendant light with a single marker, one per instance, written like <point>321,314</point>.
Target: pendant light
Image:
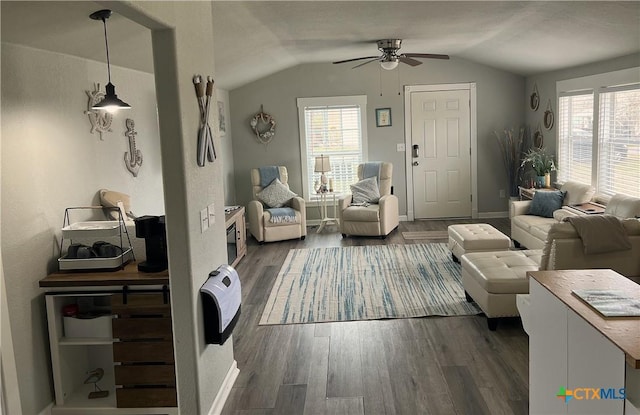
<point>111,102</point>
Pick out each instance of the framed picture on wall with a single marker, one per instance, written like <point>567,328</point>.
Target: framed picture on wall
<point>383,117</point>
<point>222,123</point>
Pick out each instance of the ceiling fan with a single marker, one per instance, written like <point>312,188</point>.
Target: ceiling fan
<point>390,57</point>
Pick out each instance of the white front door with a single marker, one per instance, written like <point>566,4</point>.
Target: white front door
<point>440,153</point>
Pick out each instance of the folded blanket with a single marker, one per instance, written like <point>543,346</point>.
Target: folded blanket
<point>268,174</point>
<point>600,233</point>
<point>283,214</point>
<point>372,169</point>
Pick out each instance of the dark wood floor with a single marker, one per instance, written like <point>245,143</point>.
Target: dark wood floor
<point>432,365</point>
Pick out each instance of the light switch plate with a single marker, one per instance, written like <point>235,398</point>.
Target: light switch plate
<point>212,214</point>
<point>400,147</point>
<point>204,220</point>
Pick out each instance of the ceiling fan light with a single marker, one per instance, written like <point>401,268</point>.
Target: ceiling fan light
<point>389,64</point>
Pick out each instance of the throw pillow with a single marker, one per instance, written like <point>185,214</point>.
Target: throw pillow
<point>577,193</point>
<point>366,191</point>
<point>276,194</point>
<point>545,203</point>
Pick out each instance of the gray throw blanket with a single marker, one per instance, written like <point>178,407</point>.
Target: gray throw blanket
<point>600,233</point>
<point>372,169</point>
<point>283,214</point>
<point>268,174</point>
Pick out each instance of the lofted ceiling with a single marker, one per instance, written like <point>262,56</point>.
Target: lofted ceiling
<point>253,39</point>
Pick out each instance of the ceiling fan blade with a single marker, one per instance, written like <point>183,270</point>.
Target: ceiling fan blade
<point>364,63</point>
<point>356,59</point>
<point>409,61</point>
<point>426,55</point>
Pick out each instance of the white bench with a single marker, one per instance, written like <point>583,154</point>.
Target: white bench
<point>476,237</point>
<point>493,279</point>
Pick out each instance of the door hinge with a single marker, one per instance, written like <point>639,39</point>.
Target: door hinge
<point>471,198</point>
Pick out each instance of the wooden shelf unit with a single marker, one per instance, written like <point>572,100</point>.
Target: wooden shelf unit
<point>236,217</point>
<point>137,355</point>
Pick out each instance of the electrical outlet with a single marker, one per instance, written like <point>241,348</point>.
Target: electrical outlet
<point>502,194</point>
<point>212,214</point>
<point>204,220</point>
<point>400,147</point>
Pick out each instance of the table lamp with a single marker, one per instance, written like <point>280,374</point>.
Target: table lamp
<point>322,166</point>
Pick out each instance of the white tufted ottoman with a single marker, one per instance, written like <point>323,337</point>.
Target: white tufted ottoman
<point>492,280</point>
<point>476,237</point>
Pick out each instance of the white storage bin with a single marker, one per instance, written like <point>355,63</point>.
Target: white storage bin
<point>88,327</point>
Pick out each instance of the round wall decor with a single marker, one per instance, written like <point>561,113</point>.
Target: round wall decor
<point>264,126</point>
<point>548,117</point>
<point>534,100</point>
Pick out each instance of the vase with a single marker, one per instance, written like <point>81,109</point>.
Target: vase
<point>540,182</point>
<point>547,180</point>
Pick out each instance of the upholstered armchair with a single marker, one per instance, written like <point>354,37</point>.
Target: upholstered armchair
<point>276,213</point>
<point>363,213</point>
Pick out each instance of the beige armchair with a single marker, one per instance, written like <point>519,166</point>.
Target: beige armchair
<point>375,219</point>
<point>264,226</point>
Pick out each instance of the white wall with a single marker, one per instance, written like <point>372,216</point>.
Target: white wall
<point>182,35</point>
<point>499,97</point>
<point>51,161</point>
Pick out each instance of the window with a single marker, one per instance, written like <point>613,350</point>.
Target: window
<point>334,127</point>
<point>575,135</point>
<point>619,141</point>
<point>599,132</point>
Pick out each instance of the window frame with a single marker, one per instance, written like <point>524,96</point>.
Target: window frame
<point>596,84</point>
<point>332,101</point>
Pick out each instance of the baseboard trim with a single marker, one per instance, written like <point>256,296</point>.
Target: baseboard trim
<point>403,218</point>
<point>225,389</point>
<point>47,410</point>
<point>491,215</point>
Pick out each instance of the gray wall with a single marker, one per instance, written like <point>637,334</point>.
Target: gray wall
<point>499,98</point>
<point>226,151</point>
<point>51,161</point>
<point>546,85</point>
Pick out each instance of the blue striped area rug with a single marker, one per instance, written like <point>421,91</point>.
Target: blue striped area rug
<point>366,283</point>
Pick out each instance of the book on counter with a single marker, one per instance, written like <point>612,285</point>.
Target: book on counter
<point>610,303</point>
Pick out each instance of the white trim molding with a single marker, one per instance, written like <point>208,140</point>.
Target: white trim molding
<point>473,120</point>
<point>225,389</point>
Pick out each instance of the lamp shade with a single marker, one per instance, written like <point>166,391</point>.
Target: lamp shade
<point>111,102</point>
<point>322,164</point>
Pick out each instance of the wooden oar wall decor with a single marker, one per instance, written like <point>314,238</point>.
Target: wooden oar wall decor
<point>206,149</point>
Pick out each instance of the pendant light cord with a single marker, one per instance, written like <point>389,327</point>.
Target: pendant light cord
<point>106,42</point>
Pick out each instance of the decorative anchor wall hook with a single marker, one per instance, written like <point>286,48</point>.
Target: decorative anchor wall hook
<point>133,158</point>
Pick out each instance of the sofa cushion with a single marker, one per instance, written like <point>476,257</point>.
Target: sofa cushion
<point>623,206</point>
<point>369,213</point>
<point>366,191</point>
<point>527,222</point>
<point>276,194</point>
<point>545,203</point>
<point>577,193</point>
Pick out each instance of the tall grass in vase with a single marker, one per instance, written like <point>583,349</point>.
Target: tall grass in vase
<point>512,148</point>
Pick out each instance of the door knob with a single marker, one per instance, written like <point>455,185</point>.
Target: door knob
<point>415,163</point>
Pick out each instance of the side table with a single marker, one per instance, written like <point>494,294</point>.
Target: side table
<point>324,202</point>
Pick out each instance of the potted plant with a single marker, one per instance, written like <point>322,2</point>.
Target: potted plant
<point>542,163</point>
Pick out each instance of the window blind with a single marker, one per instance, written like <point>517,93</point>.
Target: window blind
<point>334,131</point>
<point>619,141</point>
<point>575,137</point>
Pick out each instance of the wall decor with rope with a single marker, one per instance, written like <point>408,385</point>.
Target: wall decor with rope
<point>263,126</point>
